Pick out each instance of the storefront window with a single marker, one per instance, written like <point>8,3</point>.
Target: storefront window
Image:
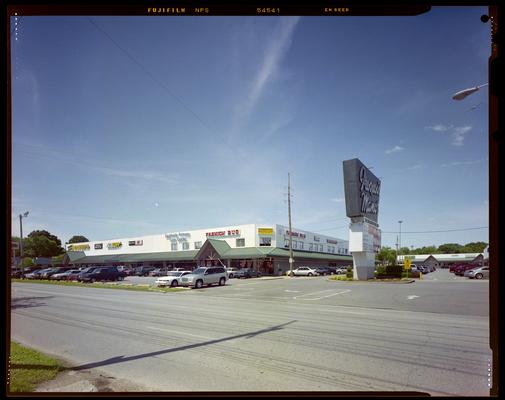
<point>185,245</point>
<point>265,241</point>
<point>198,245</point>
<point>174,246</point>
<point>240,242</point>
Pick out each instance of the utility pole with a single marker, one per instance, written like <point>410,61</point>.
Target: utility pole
<point>290,232</point>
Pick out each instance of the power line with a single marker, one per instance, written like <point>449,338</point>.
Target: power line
<point>155,80</point>
<point>448,230</point>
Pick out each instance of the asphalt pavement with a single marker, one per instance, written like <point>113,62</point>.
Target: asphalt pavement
<point>290,334</point>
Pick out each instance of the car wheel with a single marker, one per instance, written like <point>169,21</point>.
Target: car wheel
<point>199,284</point>
<point>222,281</point>
<point>478,276</point>
<point>174,283</point>
<point>310,273</point>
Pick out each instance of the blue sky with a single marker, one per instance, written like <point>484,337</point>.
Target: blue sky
<point>126,126</point>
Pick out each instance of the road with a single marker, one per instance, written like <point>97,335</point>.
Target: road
<point>297,334</point>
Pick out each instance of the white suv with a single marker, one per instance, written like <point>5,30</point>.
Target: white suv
<point>303,271</point>
<point>205,276</point>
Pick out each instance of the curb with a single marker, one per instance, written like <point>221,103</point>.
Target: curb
<point>375,281</point>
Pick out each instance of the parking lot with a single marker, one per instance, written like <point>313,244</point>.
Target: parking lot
<point>303,333</point>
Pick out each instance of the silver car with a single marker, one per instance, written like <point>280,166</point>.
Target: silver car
<point>478,273</point>
<point>303,271</point>
<point>205,276</point>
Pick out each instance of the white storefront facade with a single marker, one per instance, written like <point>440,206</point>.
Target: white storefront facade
<point>237,245</point>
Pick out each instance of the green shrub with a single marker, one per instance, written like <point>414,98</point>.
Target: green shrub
<point>380,271</point>
<point>394,270</point>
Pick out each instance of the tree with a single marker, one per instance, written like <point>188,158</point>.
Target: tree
<point>27,262</point>
<point>47,235</point>
<point>78,239</point>
<point>43,244</point>
<point>386,256</point>
<point>450,248</point>
<point>474,247</point>
<point>404,250</point>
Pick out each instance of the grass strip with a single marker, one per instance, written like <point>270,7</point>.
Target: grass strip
<point>127,286</point>
<point>28,368</point>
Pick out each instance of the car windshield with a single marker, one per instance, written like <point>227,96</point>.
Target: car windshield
<point>174,273</point>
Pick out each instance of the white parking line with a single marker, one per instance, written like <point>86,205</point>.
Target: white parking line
<point>321,297</point>
<point>412,297</point>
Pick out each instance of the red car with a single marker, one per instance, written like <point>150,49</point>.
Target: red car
<point>460,270</point>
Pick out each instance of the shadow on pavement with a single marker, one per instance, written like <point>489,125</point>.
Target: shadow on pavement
<point>119,359</point>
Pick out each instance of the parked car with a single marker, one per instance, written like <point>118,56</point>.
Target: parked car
<point>36,274</point>
<point>56,270</point>
<point>172,279</point>
<point>158,272</point>
<point>101,274</point>
<point>460,270</point>
<point>303,271</point>
<point>477,273</point>
<point>143,271</point>
<point>127,271</point>
<point>232,272</point>
<point>205,276</point>
<point>341,270</point>
<point>15,272</point>
<point>415,268</point>
<point>75,276</point>
<point>453,267</point>
<point>323,271</point>
<point>62,276</point>
<point>247,273</point>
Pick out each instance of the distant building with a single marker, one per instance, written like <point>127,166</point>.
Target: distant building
<point>443,260</point>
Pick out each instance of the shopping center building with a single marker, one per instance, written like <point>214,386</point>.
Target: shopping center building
<point>262,247</point>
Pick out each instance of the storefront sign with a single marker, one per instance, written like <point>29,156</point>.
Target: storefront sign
<point>135,243</point>
<point>98,246</point>
<point>331,241</point>
<point>364,237</point>
<point>78,247</point>
<point>114,245</point>
<point>177,236</point>
<point>265,231</point>
<point>362,190</point>
<point>297,234</point>
<point>231,232</point>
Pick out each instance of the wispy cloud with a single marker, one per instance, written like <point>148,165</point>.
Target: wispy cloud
<point>95,165</point>
<point>457,132</point>
<point>395,149</point>
<point>338,199</point>
<point>457,163</point>
<point>413,167</point>
<point>439,127</point>
<point>458,135</point>
<point>274,54</point>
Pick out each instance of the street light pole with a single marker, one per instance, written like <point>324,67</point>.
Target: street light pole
<point>400,244</point>
<point>21,216</point>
